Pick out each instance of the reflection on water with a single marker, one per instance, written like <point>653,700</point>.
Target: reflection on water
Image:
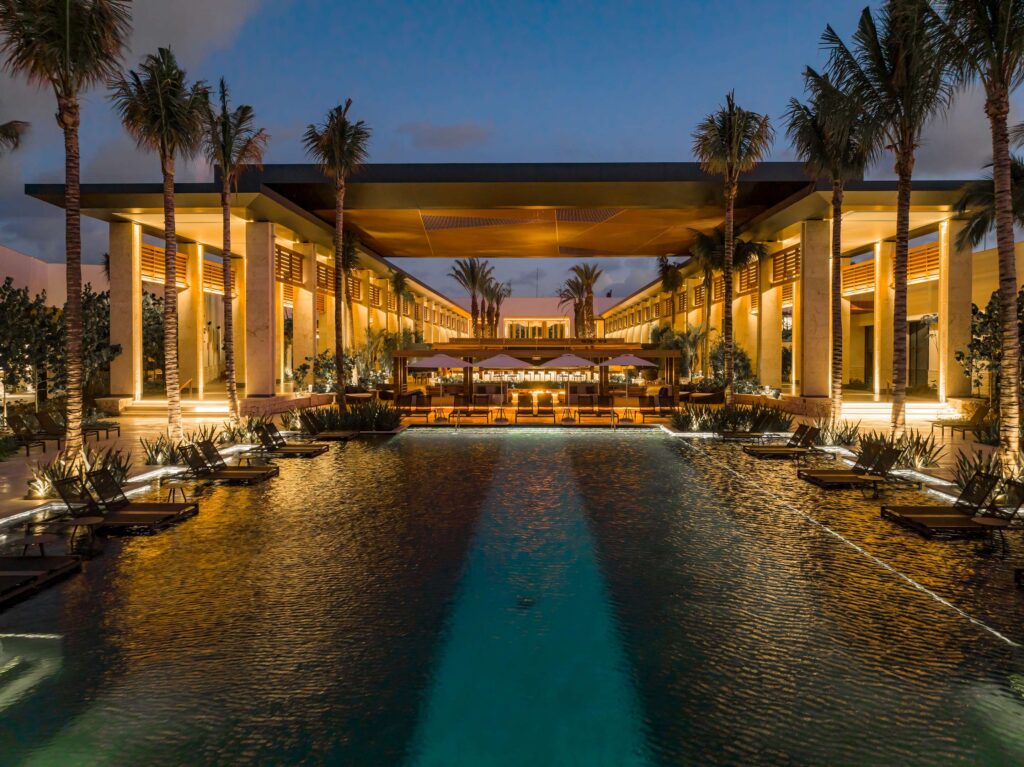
<point>313,618</point>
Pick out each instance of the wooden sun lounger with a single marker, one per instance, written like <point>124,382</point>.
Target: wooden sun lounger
<point>21,577</point>
<point>966,517</point>
<point>137,519</point>
<point>872,470</point>
<point>112,497</point>
<point>962,425</point>
<point>53,430</point>
<point>273,443</point>
<point>198,468</point>
<point>211,456</point>
<point>799,445</point>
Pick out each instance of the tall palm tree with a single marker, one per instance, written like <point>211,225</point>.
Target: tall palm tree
<point>11,133</point>
<point>671,275</point>
<point>501,292</point>
<point>400,287</point>
<point>708,252</point>
<point>232,142</point>
<point>897,73</point>
<point>588,275</point>
<point>69,45</point>
<point>985,39</point>
<point>486,291</point>
<point>466,272</point>
<point>340,147</point>
<point>164,114</point>
<point>574,292</point>
<point>727,143</point>
<point>827,135</point>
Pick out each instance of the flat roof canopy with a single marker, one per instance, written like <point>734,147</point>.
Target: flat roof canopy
<point>514,210</point>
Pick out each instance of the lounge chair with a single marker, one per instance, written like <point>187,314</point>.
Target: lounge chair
<point>524,406</point>
<point>273,443</point>
<point>962,425</point>
<point>966,517</point>
<point>23,435</point>
<point>481,407</point>
<point>22,576</point>
<point>586,405</point>
<point>756,430</point>
<point>799,445</point>
<point>112,498</point>
<point>660,407</point>
<point>79,502</point>
<point>200,468</point>
<point>409,406</point>
<point>872,470</point>
<point>53,430</point>
<point>546,407</point>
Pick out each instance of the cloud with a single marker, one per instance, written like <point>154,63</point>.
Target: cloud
<point>428,135</point>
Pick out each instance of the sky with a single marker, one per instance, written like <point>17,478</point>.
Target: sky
<point>515,81</point>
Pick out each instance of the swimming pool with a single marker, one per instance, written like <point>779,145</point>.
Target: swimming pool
<point>534,596</point>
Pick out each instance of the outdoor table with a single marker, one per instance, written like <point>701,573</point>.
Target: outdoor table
<point>89,523</point>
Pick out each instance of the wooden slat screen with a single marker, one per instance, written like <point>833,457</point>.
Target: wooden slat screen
<point>289,294</point>
<point>923,263</point>
<point>354,289</point>
<point>787,294</point>
<point>416,310</point>
<point>682,301</point>
<point>717,289</point>
<point>407,307</point>
<point>786,265</point>
<point>321,303</point>
<point>374,295</point>
<point>213,278</point>
<point>666,307</point>
<point>287,266</point>
<point>698,297</point>
<point>755,302</point>
<point>647,314</point>
<point>152,265</point>
<point>656,310</point>
<point>748,278</point>
<point>859,277</point>
<point>392,302</point>
<point>325,278</point>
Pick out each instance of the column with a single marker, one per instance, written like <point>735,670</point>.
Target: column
<point>304,307</point>
<point>769,333</point>
<point>814,303</point>
<point>325,325</point>
<point>191,321</point>
<point>279,343</point>
<point>884,296</point>
<point>261,351</point>
<point>125,248</point>
<point>954,310</point>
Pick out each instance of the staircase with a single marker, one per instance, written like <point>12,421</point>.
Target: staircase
<point>211,408</point>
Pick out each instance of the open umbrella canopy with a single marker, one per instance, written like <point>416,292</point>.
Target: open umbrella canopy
<point>628,361</point>
<point>568,361</point>
<point>437,361</point>
<point>502,362</point>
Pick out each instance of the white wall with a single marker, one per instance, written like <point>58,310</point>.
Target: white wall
<point>39,275</point>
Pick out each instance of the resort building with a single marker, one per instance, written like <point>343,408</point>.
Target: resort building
<point>282,231</point>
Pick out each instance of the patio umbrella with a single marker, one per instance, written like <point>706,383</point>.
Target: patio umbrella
<point>502,362</point>
<point>628,360</point>
<point>439,361</point>
<point>567,361</point>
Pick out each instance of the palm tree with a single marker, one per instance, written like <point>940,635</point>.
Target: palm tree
<point>400,287</point>
<point>347,264</point>
<point>671,275</point>
<point>985,39</point>
<point>827,134</point>
<point>164,114</point>
<point>588,275</point>
<point>69,45</point>
<point>897,74</point>
<point>574,292</point>
<point>340,147</point>
<point>708,252</point>
<point>232,142</point>
<point>11,133</point>
<point>727,143</point>
<point>472,274</point>
<point>502,291</point>
<point>978,199</point>
<point>486,291</point>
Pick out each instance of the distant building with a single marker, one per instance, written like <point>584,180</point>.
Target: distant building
<point>541,317</point>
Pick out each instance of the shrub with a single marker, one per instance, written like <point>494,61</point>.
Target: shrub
<point>917,451</point>
<point>969,464</point>
<point>66,466</point>
<point>371,416</point>
<point>162,451</point>
<point>705,418</point>
<point>842,434</point>
<point>8,447</point>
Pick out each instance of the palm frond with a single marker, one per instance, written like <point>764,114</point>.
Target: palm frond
<point>978,201</point>
<point>732,140</point>
<point>11,133</point>
<point>338,145</point>
<point>232,141</point>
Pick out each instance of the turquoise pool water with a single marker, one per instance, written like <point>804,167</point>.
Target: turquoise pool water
<point>522,597</point>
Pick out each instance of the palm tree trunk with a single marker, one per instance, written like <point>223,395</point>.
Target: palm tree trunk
<point>837,301</point>
<point>997,108</point>
<point>904,169</point>
<point>229,322</point>
<point>730,200</point>
<point>171,380</point>
<point>474,310</point>
<point>68,117</point>
<point>340,298</point>
<point>705,351</point>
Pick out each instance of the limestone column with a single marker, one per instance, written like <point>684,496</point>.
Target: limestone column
<point>125,248</point>
<point>279,342</point>
<point>304,307</point>
<point>884,296</point>
<point>954,310</point>
<point>815,308</point>
<point>847,339</point>
<point>769,334</point>
<point>192,320</point>
<point>261,352</point>
<point>325,325</point>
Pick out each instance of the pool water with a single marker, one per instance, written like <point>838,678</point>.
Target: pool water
<point>522,597</point>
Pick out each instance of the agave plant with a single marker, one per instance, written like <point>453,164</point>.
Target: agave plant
<point>203,433</point>
<point>917,451</point>
<point>838,434</point>
<point>162,451</point>
<point>70,464</point>
<point>969,464</point>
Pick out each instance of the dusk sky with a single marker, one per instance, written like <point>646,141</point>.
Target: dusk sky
<point>465,82</point>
